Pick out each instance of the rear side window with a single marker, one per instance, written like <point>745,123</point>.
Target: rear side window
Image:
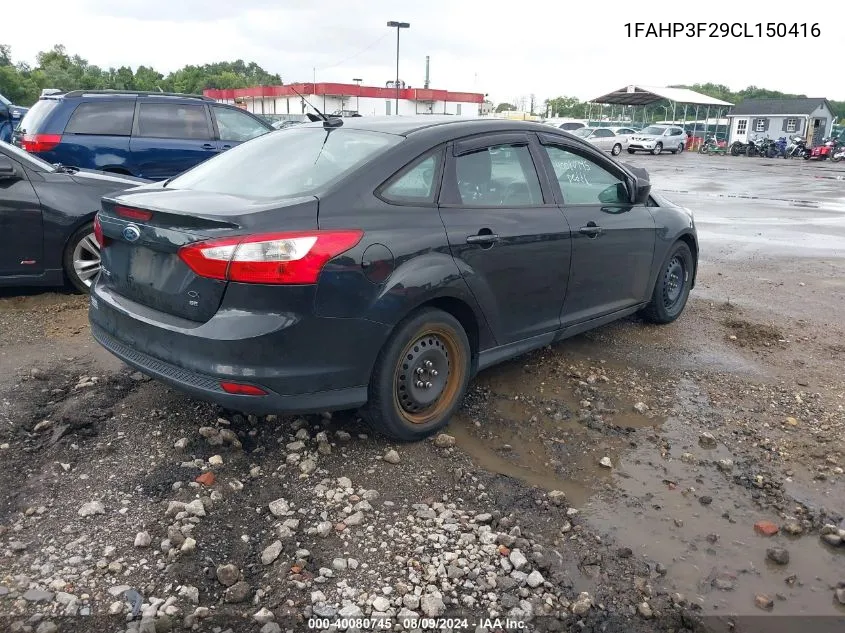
<point>33,120</point>
<point>234,125</point>
<point>105,118</point>
<point>416,183</point>
<point>173,120</point>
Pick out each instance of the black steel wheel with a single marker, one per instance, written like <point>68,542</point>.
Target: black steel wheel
<point>420,376</point>
<point>673,285</point>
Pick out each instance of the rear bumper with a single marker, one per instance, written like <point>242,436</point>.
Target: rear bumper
<point>306,364</point>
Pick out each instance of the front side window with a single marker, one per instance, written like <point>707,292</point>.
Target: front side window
<point>173,120</point>
<point>498,176</point>
<point>234,125</point>
<point>107,118</point>
<point>294,162</point>
<point>582,181</point>
<point>416,183</point>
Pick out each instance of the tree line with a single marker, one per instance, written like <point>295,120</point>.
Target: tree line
<point>572,107</point>
<point>21,83</point>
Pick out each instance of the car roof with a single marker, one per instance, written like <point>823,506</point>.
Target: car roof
<point>451,125</point>
<point>126,93</point>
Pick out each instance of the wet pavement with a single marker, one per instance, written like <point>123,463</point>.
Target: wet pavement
<point>772,242</point>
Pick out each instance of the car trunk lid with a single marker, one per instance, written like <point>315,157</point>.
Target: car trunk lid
<point>144,230</point>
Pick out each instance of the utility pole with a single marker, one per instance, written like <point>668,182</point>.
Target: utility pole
<point>398,26</point>
<point>358,98</point>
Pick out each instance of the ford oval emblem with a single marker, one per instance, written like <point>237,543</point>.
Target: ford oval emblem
<point>131,233</point>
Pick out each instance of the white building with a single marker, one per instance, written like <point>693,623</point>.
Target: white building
<point>333,98</point>
<point>810,118</point>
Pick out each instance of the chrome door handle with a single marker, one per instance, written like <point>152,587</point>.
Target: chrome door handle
<point>483,238</point>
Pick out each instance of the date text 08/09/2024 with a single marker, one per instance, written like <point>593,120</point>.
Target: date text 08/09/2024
<point>723,29</point>
<point>413,623</point>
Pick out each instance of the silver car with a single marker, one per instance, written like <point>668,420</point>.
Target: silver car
<point>604,138</point>
<point>657,139</point>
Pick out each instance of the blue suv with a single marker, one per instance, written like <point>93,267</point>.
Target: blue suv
<point>153,135</point>
<point>10,116</point>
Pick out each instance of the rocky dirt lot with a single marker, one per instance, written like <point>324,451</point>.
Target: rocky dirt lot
<point>636,478</point>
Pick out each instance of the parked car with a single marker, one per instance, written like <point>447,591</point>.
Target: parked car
<point>10,116</point>
<point>46,220</point>
<point>604,138</point>
<point>435,254</point>
<point>624,131</point>
<point>658,138</point>
<point>145,134</point>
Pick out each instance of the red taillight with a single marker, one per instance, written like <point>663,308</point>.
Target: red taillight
<point>274,258</point>
<point>241,389</point>
<point>98,230</point>
<point>133,214</point>
<point>40,142</point>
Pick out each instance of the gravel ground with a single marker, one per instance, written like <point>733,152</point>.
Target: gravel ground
<point>636,478</point>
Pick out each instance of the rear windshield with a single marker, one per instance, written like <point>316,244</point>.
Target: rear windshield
<point>284,163</point>
<point>33,120</point>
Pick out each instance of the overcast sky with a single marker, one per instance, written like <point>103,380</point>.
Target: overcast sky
<point>505,48</point>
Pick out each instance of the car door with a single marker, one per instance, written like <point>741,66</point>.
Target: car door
<point>603,139</point>
<point>233,127</point>
<point>510,240</point>
<point>612,239</point>
<point>21,230</point>
<point>169,138</point>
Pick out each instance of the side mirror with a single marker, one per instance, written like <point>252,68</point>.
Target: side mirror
<point>642,190</point>
<point>7,169</point>
<point>614,194</point>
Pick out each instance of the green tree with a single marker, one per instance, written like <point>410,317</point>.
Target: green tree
<point>505,107</point>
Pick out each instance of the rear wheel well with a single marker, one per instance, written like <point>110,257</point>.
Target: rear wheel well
<point>465,316</point>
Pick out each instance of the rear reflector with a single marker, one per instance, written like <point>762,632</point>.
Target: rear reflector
<point>98,230</point>
<point>242,390</point>
<point>40,142</point>
<point>133,214</point>
<point>273,258</point>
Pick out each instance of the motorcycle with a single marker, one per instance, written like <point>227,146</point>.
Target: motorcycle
<point>739,147</point>
<point>780,147</point>
<point>838,153</point>
<point>823,151</point>
<point>759,147</point>
<point>712,145</point>
<point>797,148</point>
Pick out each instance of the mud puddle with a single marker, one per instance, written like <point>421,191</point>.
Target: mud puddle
<point>536,427</point>
<point>687,506</point>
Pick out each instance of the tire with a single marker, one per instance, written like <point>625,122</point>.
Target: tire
<point>681,148</point>
<point>81,260</point>
<point>668,300</point>
<point>750,151</point>
<point>735,149</point>
<point>835,158</point>
<point>396,406</point>
<point>703,149</point>
<point>616,150</point>
<point>632,151</point>
<point>657,149</point>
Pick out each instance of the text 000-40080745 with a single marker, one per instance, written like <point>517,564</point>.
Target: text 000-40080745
<point>722,29</point>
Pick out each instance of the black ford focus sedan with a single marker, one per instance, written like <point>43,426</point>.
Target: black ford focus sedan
<point>379,263</point>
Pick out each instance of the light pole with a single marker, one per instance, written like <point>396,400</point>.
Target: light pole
<point>398,26</point>
<point>358,98</point>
